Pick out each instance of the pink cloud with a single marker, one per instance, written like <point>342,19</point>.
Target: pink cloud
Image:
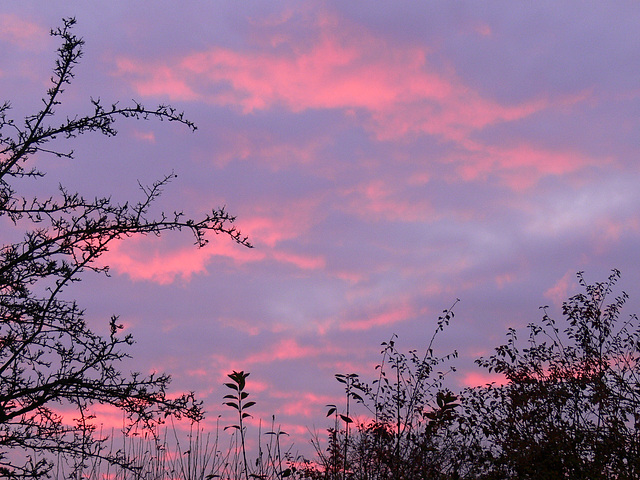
<point>108,418</point>
<point>483,29</point>
<point>610,230</point>
<point>270,227</point>
<point>383,200</point>
<point>352,277</point>
<point>475,379</point>
<point>242,146</point>
<point>144,258</point>
<point>150,258</point>
<point>242,325</point>
<point>304,262</point>
<point>288,349</point>
<point>23,33</point>
<point>519,166</point>
<point>392,89</point>
<point>452,118</point>
<point>306,404</point>
<point>343,67</point>
<point>145,136</point>
<point>162,80</point>
<point>560,290</point>
<point>388,316</point>
<point>503,279</point>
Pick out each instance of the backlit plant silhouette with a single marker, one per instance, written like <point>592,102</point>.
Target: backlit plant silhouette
<point>408,408</point>
<point>570,404</point>
<point>237,401</point>
<point>49,357</point>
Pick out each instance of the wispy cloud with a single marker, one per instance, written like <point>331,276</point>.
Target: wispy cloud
<point>145,258</point>
<point>392,90</point>
<point>23,33</point>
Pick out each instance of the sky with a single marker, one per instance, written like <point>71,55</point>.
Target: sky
<point>384,158</point>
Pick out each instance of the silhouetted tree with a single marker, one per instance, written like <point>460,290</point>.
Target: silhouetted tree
<point>49,357</point>
<point>570,404</point>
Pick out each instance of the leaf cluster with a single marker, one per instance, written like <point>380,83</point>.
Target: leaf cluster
<point>570,406</point>
<point>237,399</point>
<point>408,410</point>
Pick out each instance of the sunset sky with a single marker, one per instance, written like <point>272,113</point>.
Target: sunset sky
<point>385,158</point>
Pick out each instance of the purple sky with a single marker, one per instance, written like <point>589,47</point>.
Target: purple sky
<point>385,158</point>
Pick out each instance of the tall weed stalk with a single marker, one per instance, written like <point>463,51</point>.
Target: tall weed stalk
<point>408,407</point>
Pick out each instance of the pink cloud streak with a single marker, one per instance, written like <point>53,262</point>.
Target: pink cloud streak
<point>476,379</point>
<point>388,316</point>
<point>344,67</point>
<point>143,258</point>
<point>23,33</point>
<point>286,349</point>
<point>383,200</point>
<point>150,259</point>
<point>520,166</point>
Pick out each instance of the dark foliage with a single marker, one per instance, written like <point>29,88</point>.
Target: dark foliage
<point>50,360</point>
<point>570,407</point>
<point>406,434</point>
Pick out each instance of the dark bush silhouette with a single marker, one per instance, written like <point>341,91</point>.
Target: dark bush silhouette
<point>570,407</point>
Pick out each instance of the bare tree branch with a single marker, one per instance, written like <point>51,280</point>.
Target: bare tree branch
<point>48,355</point>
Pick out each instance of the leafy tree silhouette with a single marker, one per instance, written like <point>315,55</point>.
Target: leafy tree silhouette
<point>570,407</point>
<point>48,355</point>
